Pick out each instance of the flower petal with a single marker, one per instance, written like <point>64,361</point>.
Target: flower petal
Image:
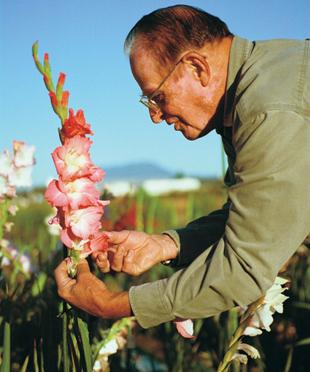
<point>185,328</point>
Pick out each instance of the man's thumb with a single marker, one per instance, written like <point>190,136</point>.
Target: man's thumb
<point>82,268</point>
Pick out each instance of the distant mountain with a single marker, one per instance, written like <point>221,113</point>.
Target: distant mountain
<point>136,172</point>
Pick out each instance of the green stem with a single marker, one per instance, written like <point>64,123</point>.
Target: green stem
<point>65,351</point>
<point>5,366</point>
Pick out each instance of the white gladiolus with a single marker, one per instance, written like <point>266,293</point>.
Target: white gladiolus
<point>21,177</point>
<point>16,171</point>
<point>24,154</point>
<point>250,350</point>
<point>255,318</point>
<point>6,163</point>
<point>3,186</point>
<point>273,302</point>
<point>10,255</point>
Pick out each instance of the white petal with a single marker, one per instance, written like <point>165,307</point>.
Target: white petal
<point>252,331</point>
<point>23,154</point>
<point>3,186</point>
<point>265,317</point>
<point>21,177</point>
<point>242,358</point>
<point>185,328</point>
<point>250,350</point>
<point>6,163</point>
<point>281,281</point>
<point>109,348</point>
<point>97,366</point>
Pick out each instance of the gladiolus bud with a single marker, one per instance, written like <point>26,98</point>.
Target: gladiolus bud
<point>53,99</point>
<point>65,98</point>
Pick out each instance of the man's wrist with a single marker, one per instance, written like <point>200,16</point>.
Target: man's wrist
<point>170,249</point>
<point>115,305</point>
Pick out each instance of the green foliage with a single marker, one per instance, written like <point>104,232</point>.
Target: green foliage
<point>41,340</point>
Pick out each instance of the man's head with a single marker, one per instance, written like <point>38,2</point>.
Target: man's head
<point>179,57</point>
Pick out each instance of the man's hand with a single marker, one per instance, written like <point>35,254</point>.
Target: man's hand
<point>90,294</point>
<point>135,252</point>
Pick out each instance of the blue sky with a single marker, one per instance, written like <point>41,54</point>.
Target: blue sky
<point>85,40</point>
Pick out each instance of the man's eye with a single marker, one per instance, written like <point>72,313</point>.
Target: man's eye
<point>159,99</point>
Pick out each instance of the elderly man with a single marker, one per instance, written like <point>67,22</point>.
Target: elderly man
<point>198,77</point>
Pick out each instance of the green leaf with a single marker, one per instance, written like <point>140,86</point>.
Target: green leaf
<point>301,305</point>
<point>25,364</point>
<point>39,284</point>
<point>305,341</point>
<point>5,366</point>
<point>86,350</point>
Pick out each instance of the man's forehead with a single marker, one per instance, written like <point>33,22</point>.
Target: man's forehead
<point>146,70</point>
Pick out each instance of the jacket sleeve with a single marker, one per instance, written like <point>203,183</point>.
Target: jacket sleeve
<point>268,219</point>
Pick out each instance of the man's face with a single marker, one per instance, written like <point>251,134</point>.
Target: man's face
<point>184,99</point>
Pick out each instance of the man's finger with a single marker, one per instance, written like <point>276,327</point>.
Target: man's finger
<point>63,280</point>
<point>117,237</point>
<point>102,262</point>
<point>82,267</point>
<point>118,258</point>
<point>128,263</point>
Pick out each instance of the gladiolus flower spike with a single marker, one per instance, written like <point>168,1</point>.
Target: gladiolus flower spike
<point>255,318</point>
<point>73,194</point>
<point>59,104</point>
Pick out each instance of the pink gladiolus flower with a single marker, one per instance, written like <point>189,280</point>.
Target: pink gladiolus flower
<point>96,174</point>
<point>55,194</point>
<point>76,194</point>
<point>84,222</point>
<point>75,125</point>
<point>79,209</point>
<point>68,238</point>
<point>99,242</point>
<point>72,160</point>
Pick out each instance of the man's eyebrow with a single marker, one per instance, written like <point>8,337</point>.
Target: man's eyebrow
<point>147,92</point>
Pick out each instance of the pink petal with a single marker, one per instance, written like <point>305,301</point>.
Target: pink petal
<point>99,242</point>
<point>85,222</point>
<point>55,196</point>
<point>185,328</point>
<point>96,174</point>
<point>68,238</point>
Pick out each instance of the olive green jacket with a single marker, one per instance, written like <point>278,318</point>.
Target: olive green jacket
<point>232,256</point>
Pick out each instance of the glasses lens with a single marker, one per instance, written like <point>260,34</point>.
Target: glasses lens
<point>149,103</point>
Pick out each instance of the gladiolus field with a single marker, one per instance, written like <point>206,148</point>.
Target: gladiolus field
<point>30,307</point>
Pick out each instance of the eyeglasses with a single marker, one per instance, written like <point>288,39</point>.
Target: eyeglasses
<point>149,100</point>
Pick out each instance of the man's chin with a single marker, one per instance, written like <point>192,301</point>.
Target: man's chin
<point>189,135</point>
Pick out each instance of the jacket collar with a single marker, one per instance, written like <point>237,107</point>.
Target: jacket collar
<point>239,52</point>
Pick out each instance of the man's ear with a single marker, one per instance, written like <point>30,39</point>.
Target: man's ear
<point>199,66</point>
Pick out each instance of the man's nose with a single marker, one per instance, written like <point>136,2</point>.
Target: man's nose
<point>156,116</point>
